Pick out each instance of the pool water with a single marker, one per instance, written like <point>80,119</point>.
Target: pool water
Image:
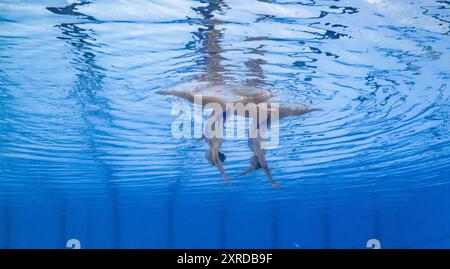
<point>86,150</point>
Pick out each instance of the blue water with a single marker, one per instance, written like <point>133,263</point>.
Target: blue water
<point>86,150</point>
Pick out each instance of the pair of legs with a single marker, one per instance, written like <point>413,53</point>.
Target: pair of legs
<point>214,155</point>
<point>258,160</point>
<point>262,123</point>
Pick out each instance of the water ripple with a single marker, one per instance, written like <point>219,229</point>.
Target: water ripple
<point>80,116</point>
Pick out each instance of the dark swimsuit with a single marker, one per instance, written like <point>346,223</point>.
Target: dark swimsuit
<point>268,121</point>
<point>252,140</point>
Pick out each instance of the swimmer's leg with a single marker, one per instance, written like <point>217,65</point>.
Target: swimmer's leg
<point>182,94</point>
<point>295,111</point>
<point>254,165</point>
<point>248,170</point>
<point>205,99</point>
<point>266,170</point>
<point>218,163</point>
<point>260,154</point>
<point>255,98</point>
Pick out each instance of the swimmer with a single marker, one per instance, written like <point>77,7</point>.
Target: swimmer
<point>258,160</point>
<point>214,155</point>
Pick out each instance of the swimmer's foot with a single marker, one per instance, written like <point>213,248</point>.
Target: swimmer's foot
<point>275,185</point>
<point>226,179</point>
<point>163,92</point>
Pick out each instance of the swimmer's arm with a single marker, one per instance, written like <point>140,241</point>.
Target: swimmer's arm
<point>206,99</point>
<point>182,94</point>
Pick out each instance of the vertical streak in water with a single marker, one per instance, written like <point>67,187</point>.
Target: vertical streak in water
<point>7,222</point>
<point>275,237</point>
<point>5,164</point>
<point>326,235</point>
<point>62,224</point>
<point>376,212</point>
<point>88,83</point>
<point>223,223</point>
<point>170,212</point>
<point>326,228</point>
